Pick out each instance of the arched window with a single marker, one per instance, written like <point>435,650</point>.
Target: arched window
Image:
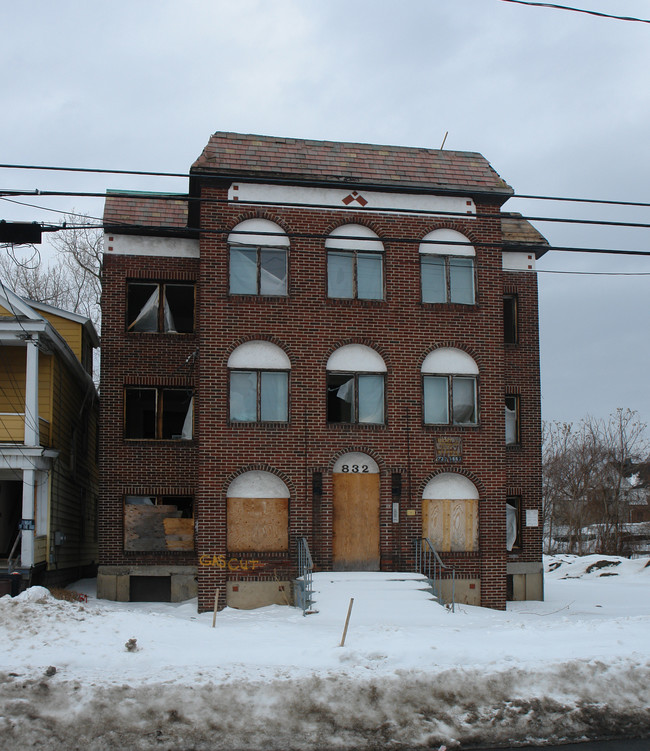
<point>450,513</point>
<point>447,270</point>
<point>259,383</point>
<point>257,513</point>
<point>258,258</point>
<point>355,385</point>
<point>449,387</point>
<point>355,264</point>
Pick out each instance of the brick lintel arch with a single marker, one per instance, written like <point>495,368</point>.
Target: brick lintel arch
<point>258,338</point>
<point>357,450</point>
<point>451,344</point>
<point>452,471</point>
<point>256,214</point>
<point>258,467</point>
<point>379,349</point>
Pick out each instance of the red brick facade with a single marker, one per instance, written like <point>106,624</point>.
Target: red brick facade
<point>308,326</point>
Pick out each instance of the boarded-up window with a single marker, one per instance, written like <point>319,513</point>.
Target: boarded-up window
<point>157,523</point>
<point>451,525</point>
<point>258,524</point>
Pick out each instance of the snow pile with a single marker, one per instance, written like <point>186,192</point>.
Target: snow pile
<point>410,674</point>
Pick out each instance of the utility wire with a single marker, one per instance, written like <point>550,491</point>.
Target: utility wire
<point>206,176</point>
<point>287,204</point>
<point>554,6</point>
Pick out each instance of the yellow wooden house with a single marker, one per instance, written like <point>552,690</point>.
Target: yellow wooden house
<point>48,444</point>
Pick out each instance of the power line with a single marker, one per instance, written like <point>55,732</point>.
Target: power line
<point>206,176</point>
<point>554,6</point>
<point>275,204</point>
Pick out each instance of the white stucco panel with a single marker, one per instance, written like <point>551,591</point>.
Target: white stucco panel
<point>259,354</point>
<point>339,239</point>
<point>356,463</point>
<point>438,239</point>
<point>450,486</point>
<point>271,234</point>
<point>257,484</point>
<point>356,358</point>
<point>449,360</point>
<point>518,261</point>
<point>136,245</point>
<point>347,198</point>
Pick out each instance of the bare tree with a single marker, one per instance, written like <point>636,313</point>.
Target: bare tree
<point>71,280</point>
<point>584,481</point>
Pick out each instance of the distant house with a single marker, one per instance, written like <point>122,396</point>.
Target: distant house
<point>48,439</point>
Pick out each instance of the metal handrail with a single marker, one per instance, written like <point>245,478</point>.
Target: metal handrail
<point>10,566</point>
<point>429,563</point>
<point>304,582</point>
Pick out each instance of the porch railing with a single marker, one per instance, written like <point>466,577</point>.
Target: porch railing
<point>429,563</point>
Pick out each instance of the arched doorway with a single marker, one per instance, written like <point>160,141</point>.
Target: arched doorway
<point>355,513</point>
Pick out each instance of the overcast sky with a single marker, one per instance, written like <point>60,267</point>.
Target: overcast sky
<point>558,102</point>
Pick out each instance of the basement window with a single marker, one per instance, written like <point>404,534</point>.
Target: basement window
<point>158,413</point>
<point>160,307</point>
<point>158,522</point>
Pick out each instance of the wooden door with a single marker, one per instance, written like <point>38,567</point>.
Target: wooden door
<point>355,522</point>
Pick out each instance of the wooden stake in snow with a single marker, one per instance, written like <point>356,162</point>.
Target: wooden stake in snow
<point>347,620</point>
<point>216,603</point>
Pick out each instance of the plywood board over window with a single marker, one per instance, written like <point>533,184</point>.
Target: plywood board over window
<point>151,524</point>
<point>258,525</point>
<point>451,524</point>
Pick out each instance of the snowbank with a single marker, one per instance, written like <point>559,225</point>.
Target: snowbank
<point>411,673</point>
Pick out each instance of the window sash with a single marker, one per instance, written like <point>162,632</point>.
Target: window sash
<point>436,400</point>
<point>258,271</point>
<point>461,280</point>
<point>448,397</point>
<point>447,279</point>
<point>463,400</point>
<point>355,274</point>
<point>356,398</point>
<point>434,278</point>
<point>370,282</point>
<point>160,306</point>
<point>259,396</point>
<point>158,413</point>
<point>512,420</point>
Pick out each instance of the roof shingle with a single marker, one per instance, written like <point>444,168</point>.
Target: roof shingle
<point>239,155</point>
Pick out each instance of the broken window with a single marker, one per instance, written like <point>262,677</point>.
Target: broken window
<point>513,523</point>
<point>158,413</point>
<point>512,420</point>
<point>510,327</point>
<point>355,398</point>
<point>156,523</point>
<point>258,271</point>
<point>167,307</point>
<point>259,396</point>
<point>449,400</point>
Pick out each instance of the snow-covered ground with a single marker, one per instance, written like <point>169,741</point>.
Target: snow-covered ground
<point>411,673</point>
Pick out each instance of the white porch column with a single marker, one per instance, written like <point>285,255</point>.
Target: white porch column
<point>27,540</point>
<point>31,394</point>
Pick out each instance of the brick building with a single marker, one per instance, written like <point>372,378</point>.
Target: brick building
<point>323,340</point>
